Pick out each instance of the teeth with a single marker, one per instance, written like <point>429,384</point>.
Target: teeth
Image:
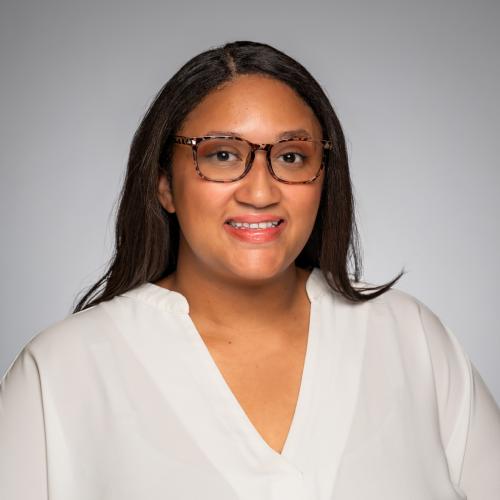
<point>254,225</point>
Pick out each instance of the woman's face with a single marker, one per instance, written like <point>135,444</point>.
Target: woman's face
<point>258,109</point>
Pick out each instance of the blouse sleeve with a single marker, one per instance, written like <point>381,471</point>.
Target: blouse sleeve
<point>480,478</point>
<point>469,416</point>
<point>23,470</point>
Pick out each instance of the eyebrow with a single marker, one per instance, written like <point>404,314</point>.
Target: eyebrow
<point>300,132</point>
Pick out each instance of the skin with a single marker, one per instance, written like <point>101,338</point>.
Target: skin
<point>247,300</point>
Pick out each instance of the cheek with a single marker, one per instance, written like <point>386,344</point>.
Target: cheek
<point>304,213</point>
<point>199,205</point>
<point>306,204</point>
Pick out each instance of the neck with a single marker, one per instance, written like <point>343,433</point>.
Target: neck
<point>234,306</point>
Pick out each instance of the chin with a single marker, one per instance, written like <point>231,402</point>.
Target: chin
<point>257,269</point>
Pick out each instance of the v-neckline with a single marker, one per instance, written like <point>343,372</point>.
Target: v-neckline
<point>215,382</point>
<point>225,407</point>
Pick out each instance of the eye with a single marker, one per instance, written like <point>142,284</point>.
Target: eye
<point>292,157</point>
<point>224,156</point>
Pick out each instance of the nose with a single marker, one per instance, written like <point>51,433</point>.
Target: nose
<point>258,188</point>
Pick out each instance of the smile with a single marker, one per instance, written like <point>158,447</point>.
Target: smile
<point>254,225</point>
<point>263,231</point>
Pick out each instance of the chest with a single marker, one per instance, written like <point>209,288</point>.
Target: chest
<point>265,380</point>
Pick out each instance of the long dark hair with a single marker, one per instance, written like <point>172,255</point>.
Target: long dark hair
<point>147,236</point>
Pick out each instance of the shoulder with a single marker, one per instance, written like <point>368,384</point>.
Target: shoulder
<point>414,324</point>
<point>427,344</point>
<point>408,312</point>
<point>415,316</point>
<point>59,349</point>
<point>70,336</point>
<point>416,321</point>
<point>103,326</point>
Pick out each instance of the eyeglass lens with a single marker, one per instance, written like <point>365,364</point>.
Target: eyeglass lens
<point>225,159</point>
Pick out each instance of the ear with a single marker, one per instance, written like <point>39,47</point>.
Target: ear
<point>165,196</point>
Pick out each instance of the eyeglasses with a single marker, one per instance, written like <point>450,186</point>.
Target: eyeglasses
<point>230,158</point>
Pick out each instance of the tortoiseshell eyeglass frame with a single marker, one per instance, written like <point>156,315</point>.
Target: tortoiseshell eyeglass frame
<point>195,141</point>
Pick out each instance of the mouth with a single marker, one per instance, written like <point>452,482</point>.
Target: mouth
<point>255,229</point>
<point>251,225</point>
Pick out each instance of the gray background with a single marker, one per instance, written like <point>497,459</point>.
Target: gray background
<point>415,85</point>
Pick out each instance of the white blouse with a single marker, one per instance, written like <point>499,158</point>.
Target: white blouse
<point>124,401</point>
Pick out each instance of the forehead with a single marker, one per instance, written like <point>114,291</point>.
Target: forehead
<point>256,106</point>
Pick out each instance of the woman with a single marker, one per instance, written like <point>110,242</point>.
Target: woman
<point>228,352</point>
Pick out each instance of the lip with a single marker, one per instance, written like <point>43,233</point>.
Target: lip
<point>254,218</point>
<point>258,235</point>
